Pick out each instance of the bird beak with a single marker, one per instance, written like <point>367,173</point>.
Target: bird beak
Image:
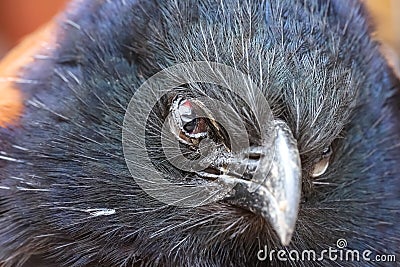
<point>274,190</point>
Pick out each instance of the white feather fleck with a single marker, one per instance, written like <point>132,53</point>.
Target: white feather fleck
<point>100,212</point>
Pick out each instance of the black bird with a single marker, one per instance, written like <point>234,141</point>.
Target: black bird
<point>100,168</point>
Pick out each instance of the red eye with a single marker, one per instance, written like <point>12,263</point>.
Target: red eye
<point>191,126</point>
<point>187,116</point>
<point>196,126</point>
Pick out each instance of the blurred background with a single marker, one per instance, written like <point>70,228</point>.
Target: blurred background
<point>20,17</point>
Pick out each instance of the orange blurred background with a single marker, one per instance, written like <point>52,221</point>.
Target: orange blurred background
<point>20,17</point>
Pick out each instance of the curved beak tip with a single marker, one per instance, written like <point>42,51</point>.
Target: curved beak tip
<point>274,192</point>
<point>285,233</point>
<point>282,219</point>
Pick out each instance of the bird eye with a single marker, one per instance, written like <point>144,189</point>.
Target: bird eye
<point>322,164</point>
<point>196,128</point>
<point>188,125</point>
<point>327,152</point>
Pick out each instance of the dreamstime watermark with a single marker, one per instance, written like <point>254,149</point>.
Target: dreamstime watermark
<point>338,253</point>
<point>136,151</point>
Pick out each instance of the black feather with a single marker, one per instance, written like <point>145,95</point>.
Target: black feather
<point>66,193</point>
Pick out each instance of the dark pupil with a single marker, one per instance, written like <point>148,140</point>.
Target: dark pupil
<point>190,126</point>
<point>327,151</point>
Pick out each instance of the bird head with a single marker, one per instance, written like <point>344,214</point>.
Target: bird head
<point>243,113</point>
<point>195,132</point>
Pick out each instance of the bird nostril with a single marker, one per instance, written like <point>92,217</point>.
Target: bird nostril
<point>210,173</point>
<point>254,156</point>
<point>254,153</point>
<point>213,171</point>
